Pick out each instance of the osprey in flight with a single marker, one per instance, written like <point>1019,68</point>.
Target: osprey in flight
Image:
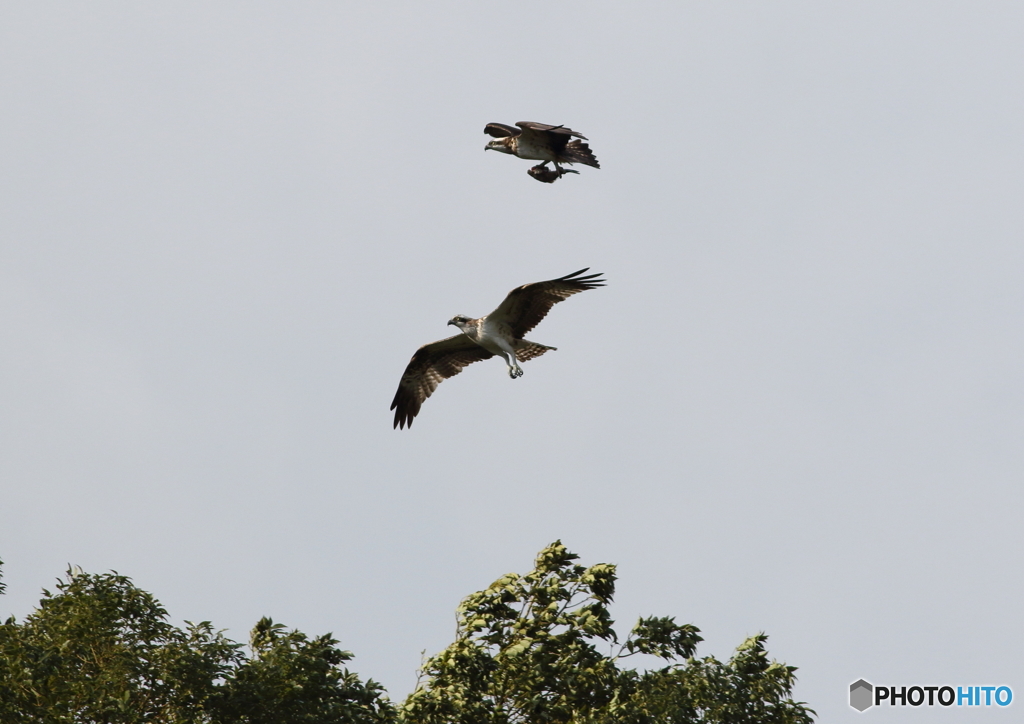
<point>498,333</point>
<point>539,142</point>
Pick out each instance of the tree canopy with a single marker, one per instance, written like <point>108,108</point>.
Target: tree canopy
<point>538,647</point>
<point>541,648</point>
<point>101,650</point>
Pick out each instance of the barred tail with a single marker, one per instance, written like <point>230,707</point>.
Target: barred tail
<point>526,350</point>
<point>579,152</point>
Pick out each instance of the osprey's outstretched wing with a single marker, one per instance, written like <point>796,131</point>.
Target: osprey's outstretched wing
<point>543,128</point>
<point>430,366</point>
<point>500,130</point>
<point>525,306</point>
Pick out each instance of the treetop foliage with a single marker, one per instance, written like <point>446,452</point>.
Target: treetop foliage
<point>101,650</point>
<point>538,647</point>
<point>531,648</point>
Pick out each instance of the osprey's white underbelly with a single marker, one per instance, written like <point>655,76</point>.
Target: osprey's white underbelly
<point>495,337</point>
<point>534,153</point>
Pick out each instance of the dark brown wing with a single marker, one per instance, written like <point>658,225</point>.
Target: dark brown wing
<point>525,306</point>
<point>544,128</point>
<point>430,366</point>
<point>500,130</point>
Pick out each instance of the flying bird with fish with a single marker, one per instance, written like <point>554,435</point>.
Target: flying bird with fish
<point>540,142</point>
<point>499,333</point>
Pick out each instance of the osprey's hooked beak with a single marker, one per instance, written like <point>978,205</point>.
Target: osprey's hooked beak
<point>451,322</point>
<point>487,147</point>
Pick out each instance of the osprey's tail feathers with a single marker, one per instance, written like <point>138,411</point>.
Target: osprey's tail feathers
<point>526,350</point>
<point>579,152</point>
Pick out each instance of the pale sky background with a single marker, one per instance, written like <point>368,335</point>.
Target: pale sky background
<point>797,407</point>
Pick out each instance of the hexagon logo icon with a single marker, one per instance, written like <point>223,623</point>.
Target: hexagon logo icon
<point>861,695</point>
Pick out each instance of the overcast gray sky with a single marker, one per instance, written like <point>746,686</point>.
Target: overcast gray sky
<point>797,407</point>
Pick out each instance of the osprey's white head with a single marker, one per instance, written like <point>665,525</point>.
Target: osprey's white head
<point>460,321</point>
<point>502,144</point>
